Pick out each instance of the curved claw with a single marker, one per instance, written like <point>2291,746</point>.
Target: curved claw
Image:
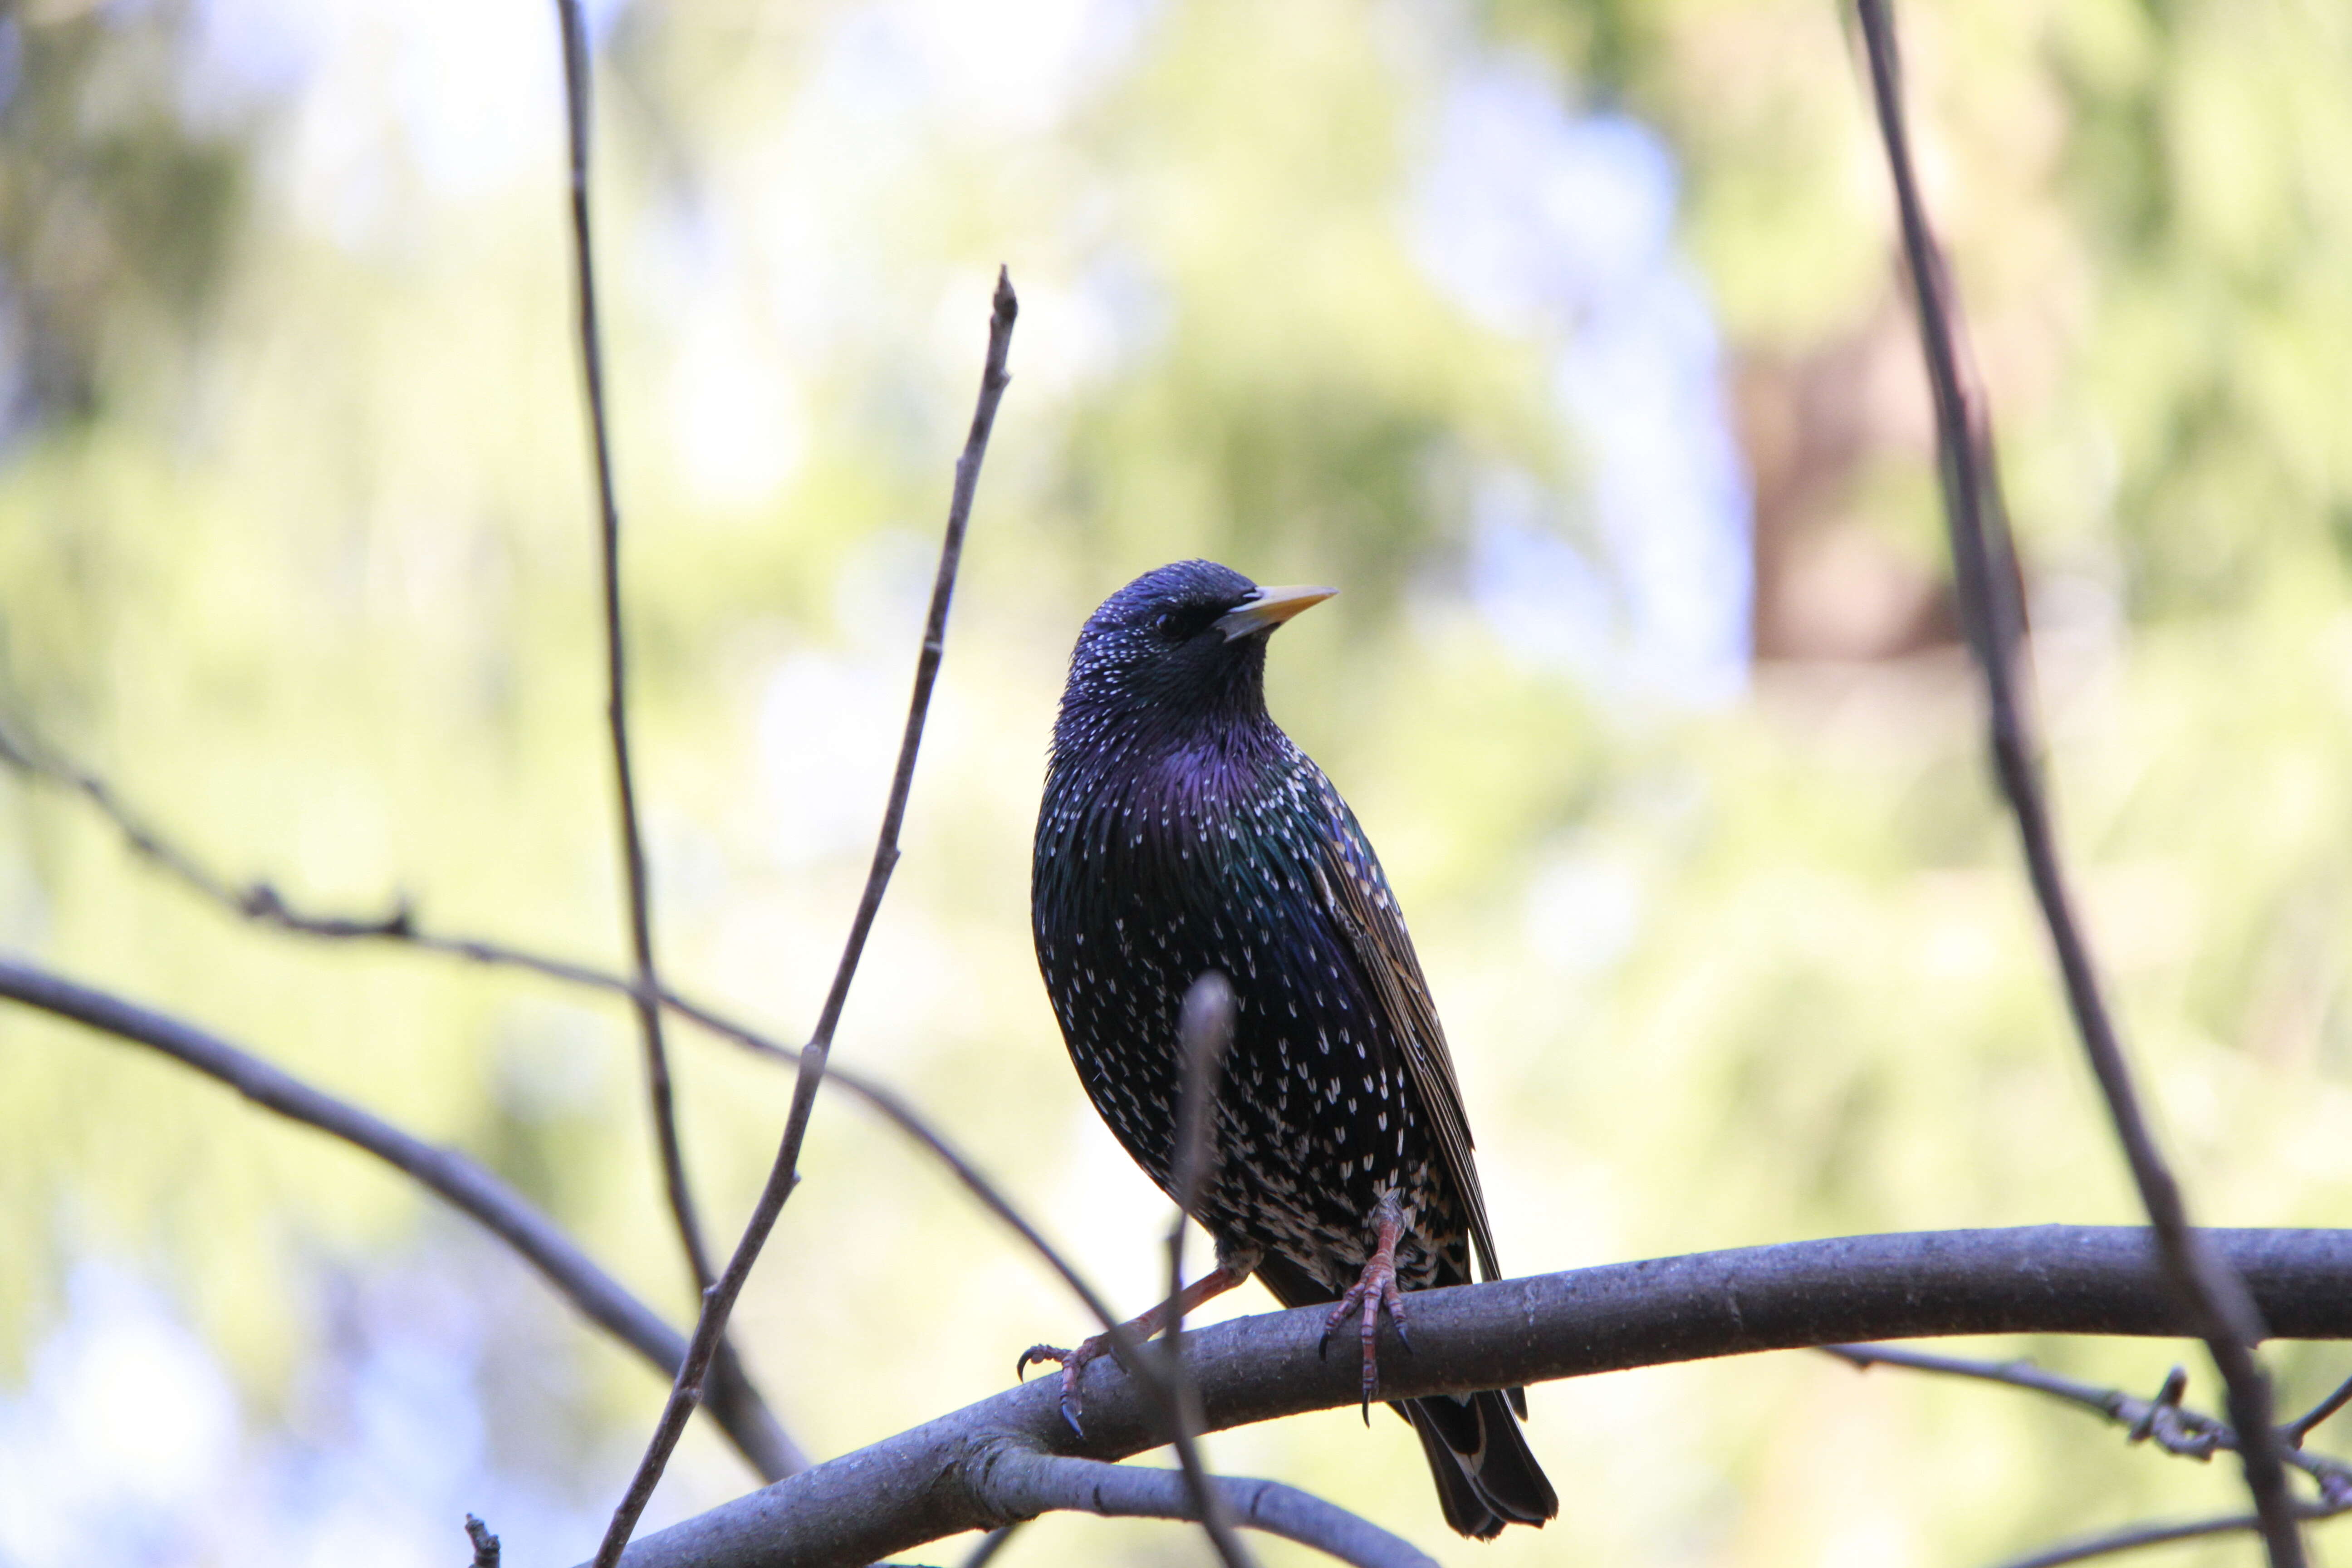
<point>1073,1362</point>
<point>1037,1355</point>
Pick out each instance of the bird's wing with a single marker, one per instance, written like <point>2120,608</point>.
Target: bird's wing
<point>1357,893</point>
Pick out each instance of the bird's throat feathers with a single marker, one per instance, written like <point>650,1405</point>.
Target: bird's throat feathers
<point>1142,724</point>
<point>1139,780</point>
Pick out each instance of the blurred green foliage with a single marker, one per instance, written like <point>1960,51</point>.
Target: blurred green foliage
<point>295,546</point>
<point>116,214</point>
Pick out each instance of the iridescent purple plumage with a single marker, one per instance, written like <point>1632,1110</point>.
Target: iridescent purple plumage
<point>1180,832</point>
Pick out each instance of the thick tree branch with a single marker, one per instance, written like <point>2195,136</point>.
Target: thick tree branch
<point>785,1175</point>
<point>579,120</point>
<point>466,1185</point>
<point>1984,561</point>
<point>923,1484</point>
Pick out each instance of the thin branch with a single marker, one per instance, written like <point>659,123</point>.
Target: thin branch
<point>2163,1420</point>
<point>259,901</point>
<point>1984,561</point>
<point>1165,1380</point>
<point>579,118</point>
<point>661,1101</point>
<point>990,1545</point>
<point>2140,1535</point>
<point>887,1102</point>
<point>918,1485</point>
<point>485,1545</point>
<point>785,1172</point>
<point>1024,1483</point>
<point>463,1185</point>
<point>2297,1430</point>
<point>1206,1030</point>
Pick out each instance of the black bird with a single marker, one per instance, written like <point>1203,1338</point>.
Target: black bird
<point>1182,832</point>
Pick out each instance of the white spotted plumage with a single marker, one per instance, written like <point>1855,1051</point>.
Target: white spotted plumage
<point>1204,824</point>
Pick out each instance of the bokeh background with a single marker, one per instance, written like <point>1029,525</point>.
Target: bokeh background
<point>1568,338</point>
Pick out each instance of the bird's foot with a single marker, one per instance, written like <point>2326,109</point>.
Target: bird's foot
<point>1374,1289</point>
<point>1073,1364</point>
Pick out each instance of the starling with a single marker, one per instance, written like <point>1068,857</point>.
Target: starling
<point>1181,832</point>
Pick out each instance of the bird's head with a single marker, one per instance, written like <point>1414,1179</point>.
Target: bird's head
<point>1179,649</point>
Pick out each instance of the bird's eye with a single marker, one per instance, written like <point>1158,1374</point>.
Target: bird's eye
<point>1164,621</point>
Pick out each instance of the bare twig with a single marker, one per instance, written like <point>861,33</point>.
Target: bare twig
<point>2297,1430</point>
<point>2162,1421</point>
<point>33,758</point>
<point>1206,1030</point>
<point>1163,1381</point>
<point>259,901</point>
<point>990,1545</point>
<point>2139,1535</point>
<point>646,989</point>
<point>663,1108</point>
<point>785,1172</point>
<point>1983,558</point>
<point>1023,1482</point>
<point>884,1100</point>
<point>918,1486</point>
<point>485,1545</point>
<point>466,1185</point>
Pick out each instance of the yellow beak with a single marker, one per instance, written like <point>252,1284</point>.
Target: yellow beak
<point>1268,608</point>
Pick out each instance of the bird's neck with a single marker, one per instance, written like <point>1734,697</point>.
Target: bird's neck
<point>1185,758</point>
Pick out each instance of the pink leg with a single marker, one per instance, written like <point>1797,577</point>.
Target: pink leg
<point>1375,1290</point>
<point>1217,1283</point>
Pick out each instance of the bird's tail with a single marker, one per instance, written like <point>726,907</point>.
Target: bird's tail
<point>1486,1476</point>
